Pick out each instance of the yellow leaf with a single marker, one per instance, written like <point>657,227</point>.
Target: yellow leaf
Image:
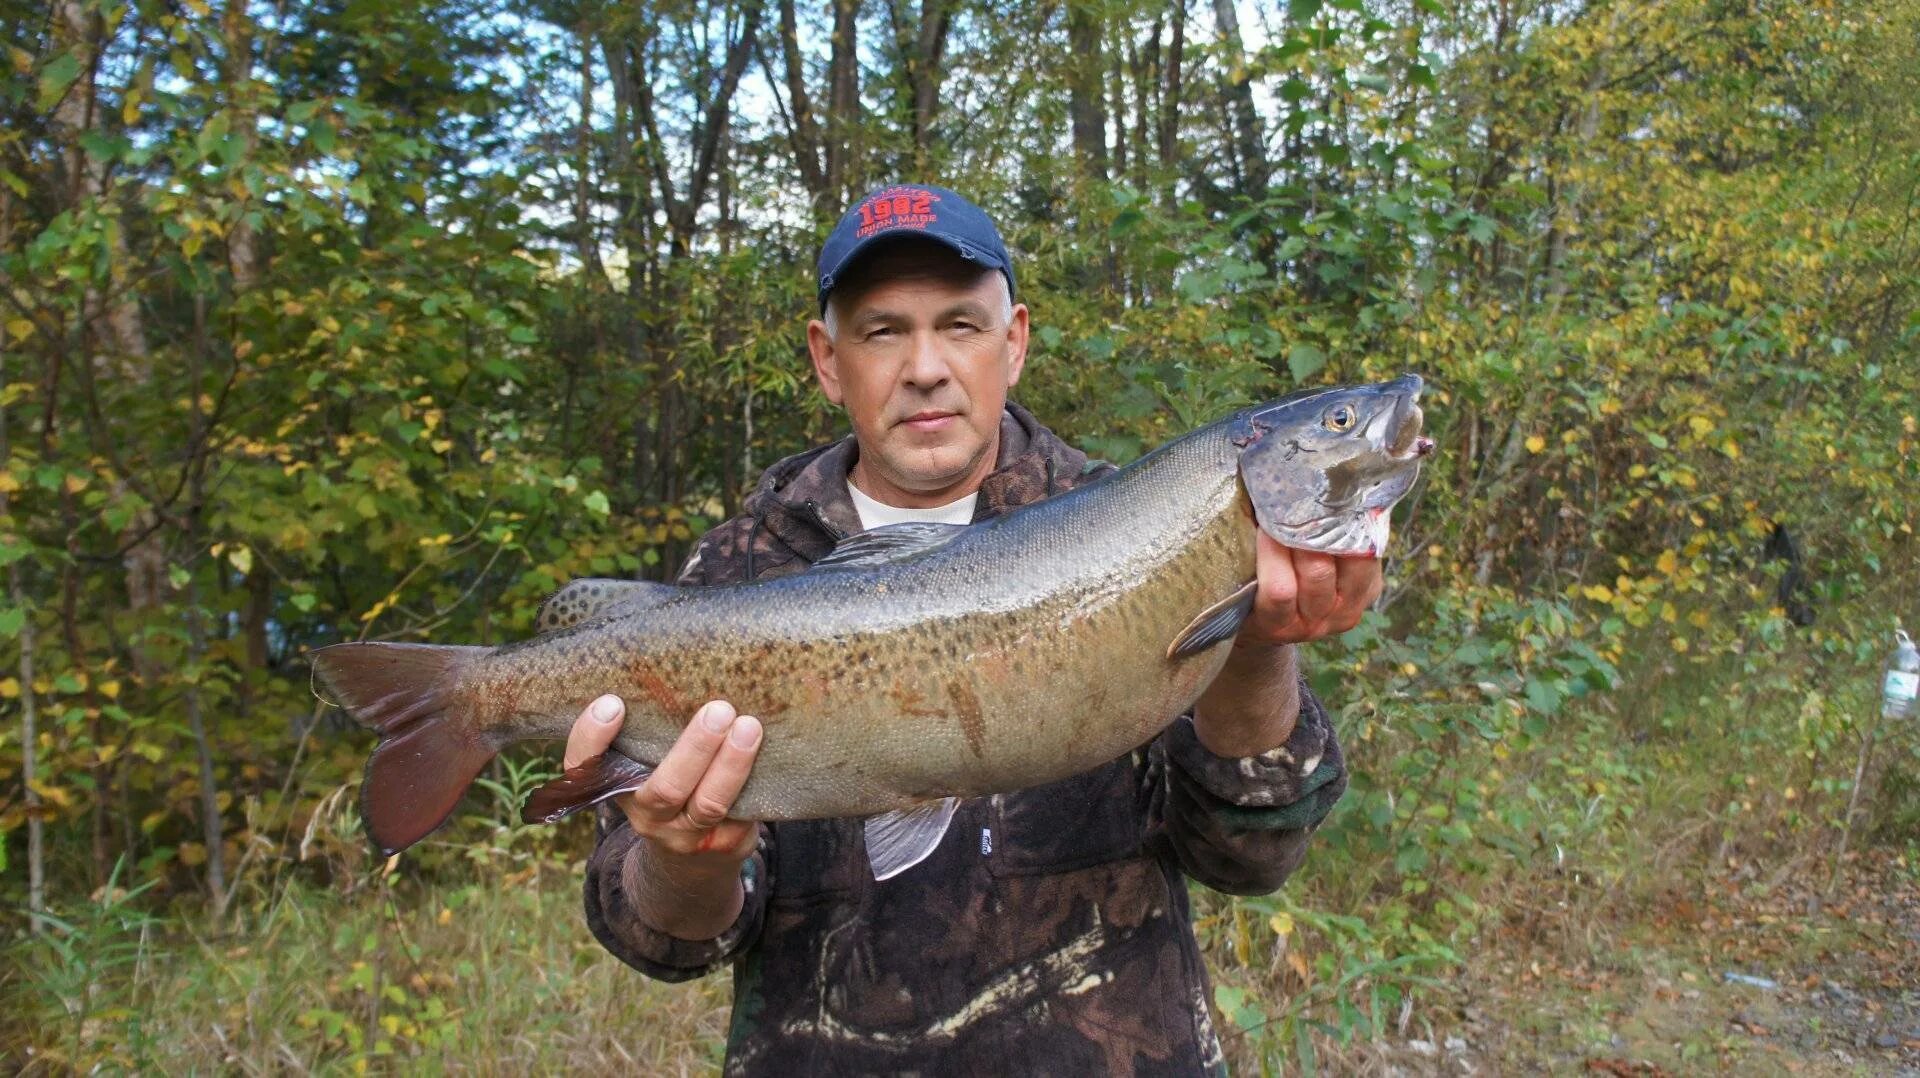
<point>1669,562</point>
<point>8,483</point>
<point>1907,424</point>
<point>192,853</point>
<point>1599,593</point>
<point>21,328</point>
<point>10,688</point>
<point>1282,924</point>
<point>1609,407</point>
<point>446,916</point>
<point>1702,426</point>
<point>1536,443</point>
<point>242,558</point>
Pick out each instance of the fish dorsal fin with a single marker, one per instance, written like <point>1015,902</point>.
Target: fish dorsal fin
<point>897,841</point>
<point>895,542</point>
<point>1216,623</point>
<point>588,598</point>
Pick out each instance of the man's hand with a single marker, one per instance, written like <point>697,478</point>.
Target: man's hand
<point>1253,705</point>
<point>1304,596</point>
<point>689,886</point>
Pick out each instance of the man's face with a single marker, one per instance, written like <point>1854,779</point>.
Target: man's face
<point>922,352</point>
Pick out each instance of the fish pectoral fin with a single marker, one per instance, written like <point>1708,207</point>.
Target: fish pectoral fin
<point>590,597</point>
<point>897,841</point>
<point>895,542</point>
<point>1214,624</point>
<point>585,785</point>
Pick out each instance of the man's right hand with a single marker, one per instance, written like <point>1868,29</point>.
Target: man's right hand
<point>693,850</point>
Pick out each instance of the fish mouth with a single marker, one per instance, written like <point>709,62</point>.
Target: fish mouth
<point>1404,421</point>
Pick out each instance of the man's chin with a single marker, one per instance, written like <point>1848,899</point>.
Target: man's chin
<point>927,469</point>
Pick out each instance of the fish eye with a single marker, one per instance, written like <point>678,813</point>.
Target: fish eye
<point>1340,419</point>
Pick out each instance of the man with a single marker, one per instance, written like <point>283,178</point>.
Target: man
<point>1049,932</point>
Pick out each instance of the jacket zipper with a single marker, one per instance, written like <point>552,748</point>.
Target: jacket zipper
<point>820,518</point>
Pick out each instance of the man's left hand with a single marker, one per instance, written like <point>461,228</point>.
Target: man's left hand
<point>1253,704</point>
<point>1305,596</point>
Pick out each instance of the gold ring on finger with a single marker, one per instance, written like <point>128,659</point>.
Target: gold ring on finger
<point>696,824</point>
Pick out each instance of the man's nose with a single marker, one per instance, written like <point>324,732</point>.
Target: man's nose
<point>926,362</point>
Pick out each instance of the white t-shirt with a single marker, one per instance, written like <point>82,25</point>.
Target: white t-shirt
<point>875,514</point>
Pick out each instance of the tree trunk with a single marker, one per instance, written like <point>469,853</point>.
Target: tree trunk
<point>29,702</point>
<point>243,256</point>
<point>1086,98</point>
<point>843,104</point>
<point>212,833</point>
<point>1244,120</point>
<point>803,130</point>
<point>1169,132</point>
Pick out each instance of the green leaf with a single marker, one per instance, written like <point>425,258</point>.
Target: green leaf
<point>304,601</point>
<point>55,77</point>
<point>596,502</point>
<point>1305,360</point>
<point>12,620</point>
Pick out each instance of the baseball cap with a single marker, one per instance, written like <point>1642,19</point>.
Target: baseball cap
<point>911,209</point>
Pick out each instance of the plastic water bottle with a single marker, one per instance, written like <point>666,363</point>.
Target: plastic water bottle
<point>1903,679</point>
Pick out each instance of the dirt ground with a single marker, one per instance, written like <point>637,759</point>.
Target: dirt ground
<point>1763,972</point>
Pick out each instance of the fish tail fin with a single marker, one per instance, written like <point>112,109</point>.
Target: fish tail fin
<point>429,751</point>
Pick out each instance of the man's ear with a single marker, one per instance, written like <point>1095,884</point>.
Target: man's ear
<point>1019,332</point>
<point>826,361</point>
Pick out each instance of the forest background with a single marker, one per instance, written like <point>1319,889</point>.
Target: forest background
<point>358,320</point>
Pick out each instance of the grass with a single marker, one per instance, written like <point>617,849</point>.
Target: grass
<point>483,976</point>
<point>1584,895</point>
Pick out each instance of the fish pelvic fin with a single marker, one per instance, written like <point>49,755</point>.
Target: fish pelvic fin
<point>609,774</point>
<point>897,841</point>
<point>429,753</point>
<point>1214,625</point>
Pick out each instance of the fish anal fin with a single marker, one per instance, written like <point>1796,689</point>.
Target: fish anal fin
<point>1215,624</point>
<point>585,785</point>
<point>895,542</point>
<point>591,597</point>
<point>899,840</point>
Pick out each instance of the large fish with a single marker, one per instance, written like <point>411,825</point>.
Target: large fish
<point>916,664</point>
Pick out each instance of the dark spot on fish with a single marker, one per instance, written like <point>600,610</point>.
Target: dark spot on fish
<point>966,707</point>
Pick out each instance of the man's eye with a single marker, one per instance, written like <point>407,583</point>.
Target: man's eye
<point>880,331</point>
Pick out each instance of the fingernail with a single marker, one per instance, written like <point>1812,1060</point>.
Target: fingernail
<point>607,709</point>
<point>746,732</point>
<point>716,716</point>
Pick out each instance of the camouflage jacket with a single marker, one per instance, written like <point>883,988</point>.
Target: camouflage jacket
<point>1048,934</point>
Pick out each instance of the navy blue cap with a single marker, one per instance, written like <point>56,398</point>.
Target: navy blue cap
<point>912,209</point>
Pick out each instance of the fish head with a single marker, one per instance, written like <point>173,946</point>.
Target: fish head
<point>1323,468</point>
